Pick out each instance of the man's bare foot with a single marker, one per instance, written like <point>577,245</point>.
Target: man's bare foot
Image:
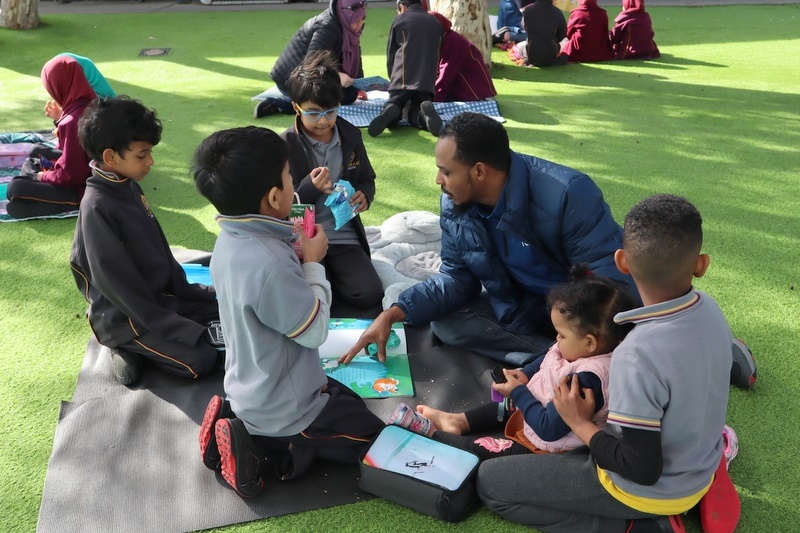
<point>455,423</point>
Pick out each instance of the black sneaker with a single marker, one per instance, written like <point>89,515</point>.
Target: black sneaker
<point>125,366</point>
<point>266,108</point>
<point>388,116</point>
<point>217,408</point>
<point>432,120</point>
<point>240,459</point>
<point>743,370</point>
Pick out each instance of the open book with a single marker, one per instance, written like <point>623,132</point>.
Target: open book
<point>365,375</point>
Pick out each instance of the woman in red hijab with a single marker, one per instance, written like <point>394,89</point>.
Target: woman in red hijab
<point>632,35</point>
<point>587,31</point>
<point>49,189</point>
<point>462,76</point>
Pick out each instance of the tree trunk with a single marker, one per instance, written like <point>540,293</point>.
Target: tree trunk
<point>19,14</point>
<point>470,18</point>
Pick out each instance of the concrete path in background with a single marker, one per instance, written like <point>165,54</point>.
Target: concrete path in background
<point>133,6</point>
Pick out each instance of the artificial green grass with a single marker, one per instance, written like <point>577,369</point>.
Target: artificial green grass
<point>715,119</point>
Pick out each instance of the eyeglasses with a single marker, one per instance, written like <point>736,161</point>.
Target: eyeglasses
<point>329,114</point>
<point>357,5</point>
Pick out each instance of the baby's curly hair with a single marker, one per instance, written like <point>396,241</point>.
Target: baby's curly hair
<point>589,302</point>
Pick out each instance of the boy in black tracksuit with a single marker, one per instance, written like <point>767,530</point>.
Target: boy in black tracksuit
<point>324,148</point>
<point>546,27</point>
<point>140,304</point>
<point>412,58</point>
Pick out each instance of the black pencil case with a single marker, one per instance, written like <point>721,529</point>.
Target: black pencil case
<point>428,476</point>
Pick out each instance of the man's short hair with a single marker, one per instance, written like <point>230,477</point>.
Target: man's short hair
<point>662,237</point>
<point>235,168</point>
<point>316,79</point>
<point>408,3</point>
<point>116,123</point>
<point>479,138</point>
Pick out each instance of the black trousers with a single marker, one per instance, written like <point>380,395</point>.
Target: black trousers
<point>29,197</point>
<point>181,359</point>
<point>357,289</point>
<point>413,99</point>
<point>342,432</point>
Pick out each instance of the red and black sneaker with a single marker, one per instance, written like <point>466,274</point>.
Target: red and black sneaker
<point>217,408</point>
<point>240,458</point>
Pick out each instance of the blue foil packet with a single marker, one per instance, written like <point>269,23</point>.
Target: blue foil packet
<point>339,203</point>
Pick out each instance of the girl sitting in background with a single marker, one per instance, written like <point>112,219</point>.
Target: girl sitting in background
<point>45,187</point>
<point>463,76</point>
<point>546,28</point>
<point>587,31</point>
<point>632,35</point>
<point>95,78</point>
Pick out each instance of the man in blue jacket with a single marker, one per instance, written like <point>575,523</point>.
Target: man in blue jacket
<point>512,224</point>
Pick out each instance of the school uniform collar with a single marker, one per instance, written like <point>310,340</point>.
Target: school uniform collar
<point>661,310</point>
<point>257,224</point>
<point>301,132</point>
<point>105,174</point>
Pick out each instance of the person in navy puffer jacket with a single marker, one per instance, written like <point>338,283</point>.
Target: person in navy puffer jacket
<point>512,224</point>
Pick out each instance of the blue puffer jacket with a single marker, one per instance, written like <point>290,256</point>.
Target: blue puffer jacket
<point>556,209</point>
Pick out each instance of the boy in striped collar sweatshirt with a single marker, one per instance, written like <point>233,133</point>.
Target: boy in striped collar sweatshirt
<point>280,406</point>
<point>141,306</point>
<point>662,452</point>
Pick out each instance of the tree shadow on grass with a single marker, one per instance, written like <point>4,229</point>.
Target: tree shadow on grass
<point>704,25</point>
<point>670,61</point>
<point>699,140</point>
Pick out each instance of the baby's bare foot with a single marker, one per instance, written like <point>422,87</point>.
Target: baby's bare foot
<point>455,423</point>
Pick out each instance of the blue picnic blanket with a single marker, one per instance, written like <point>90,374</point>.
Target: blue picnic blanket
<point>196,273</point>
<point>361,112</point>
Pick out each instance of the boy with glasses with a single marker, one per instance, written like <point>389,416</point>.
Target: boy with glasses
<point>324,148</point>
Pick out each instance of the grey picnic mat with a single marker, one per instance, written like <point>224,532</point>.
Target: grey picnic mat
<point>128,459</point>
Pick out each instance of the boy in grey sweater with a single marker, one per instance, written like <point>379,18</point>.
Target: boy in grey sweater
<point>274,311</point>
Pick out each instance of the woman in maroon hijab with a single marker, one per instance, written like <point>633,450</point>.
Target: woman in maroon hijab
<point>587,31</point>
<point>49,189</point>
<point>462,76</point>
<point>338,29</point>
<point>632,35</point>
